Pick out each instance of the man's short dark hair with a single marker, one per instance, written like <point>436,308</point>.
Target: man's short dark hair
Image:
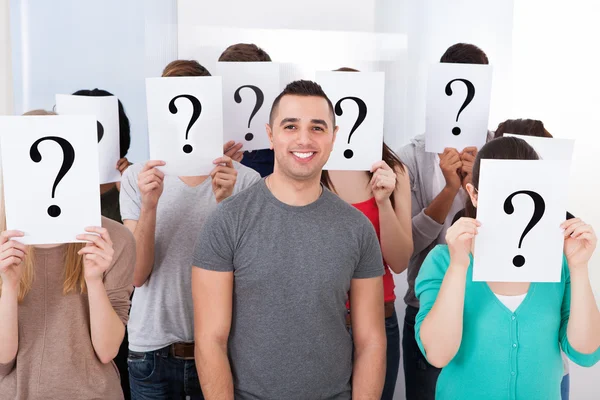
<point>301,88</point>
<point>185,68</point>
<point>124,127</point>
<point>464,53</point>
<point>248,52</point>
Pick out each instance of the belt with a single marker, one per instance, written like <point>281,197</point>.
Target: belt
<point>184,351</point>
<point>388,312</point>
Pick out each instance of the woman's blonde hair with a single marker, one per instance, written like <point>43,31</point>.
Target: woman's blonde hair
<point>73,271</point>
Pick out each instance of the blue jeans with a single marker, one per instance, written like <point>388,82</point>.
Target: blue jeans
<point>420,377</point>
<point>565,385</point>
<point>392,332</point>
<point>157,375</point>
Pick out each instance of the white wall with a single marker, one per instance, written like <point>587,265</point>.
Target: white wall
<point>6,94</point>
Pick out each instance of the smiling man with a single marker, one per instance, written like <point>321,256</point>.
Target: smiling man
<point>274,267</point>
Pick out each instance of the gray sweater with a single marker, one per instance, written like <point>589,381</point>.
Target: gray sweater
<point>421,166</point>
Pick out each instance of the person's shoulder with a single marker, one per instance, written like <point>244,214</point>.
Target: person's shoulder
<point>241,199</point>
<point>120,235</point>
<point>410,153</point>
<point>246,175</point>
<point>438,260</point>
<point>132,172</point>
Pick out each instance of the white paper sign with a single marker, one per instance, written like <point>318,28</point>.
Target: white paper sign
<point>521,205</point>
<point>106,111</point>
<point>50,173</point>
<point>358,100</point>
<point>185,123</point>
<point>458,106</point>
<point>549,148</point>
<point>249,89</point>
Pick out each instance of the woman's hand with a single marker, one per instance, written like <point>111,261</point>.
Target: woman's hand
<point>459,238</point>
<point>12,254</point>
<point>97,253</point>
<point>580,242</point>
<point>383,182</point>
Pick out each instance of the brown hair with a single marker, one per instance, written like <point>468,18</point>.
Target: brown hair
<point>74,274</point>
<point>244,52</point>
<point>526,127</point>
<point>184,68</point>
<point>503,148</point>
<point>301,88</point>
<point>388,156</point>
<point>464,53</point>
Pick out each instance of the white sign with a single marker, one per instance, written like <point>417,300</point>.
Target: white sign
<point>358,101</point>
<point>249,89</point>
<point>458,106</point>
<point>549,148</point>
<point>51,185</point>
<point>185,123</point>
<point>106,111</point>
<point>521,205</point>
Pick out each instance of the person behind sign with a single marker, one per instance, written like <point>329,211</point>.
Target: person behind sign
<point>273,267</point>
<point>165,214</point>
<point>437,194</point>
<point>383,195</point>
<point>63,309</point>
<point>259,160</point>
<point>495,340</point>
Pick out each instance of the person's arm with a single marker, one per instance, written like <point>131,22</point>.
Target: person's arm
<point>150,183</point>
<point>213,292</point>
<point>580,327</point>
<point>450,163</point>
<point>12,254</point>
<point>439,324</point>
<point>368,334</point>
<point>395,223</point>
<point>106,329</point>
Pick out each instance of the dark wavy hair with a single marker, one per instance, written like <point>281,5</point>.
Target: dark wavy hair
<point>503,148</point>
<point>124,127</point>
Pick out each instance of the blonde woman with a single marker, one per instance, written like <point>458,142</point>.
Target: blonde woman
<point>63,309</point>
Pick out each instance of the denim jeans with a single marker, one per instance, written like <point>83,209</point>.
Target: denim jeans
<point>565,385</point>
<point>392,332</point>
<point>420,377</point>
<point>157,375</point>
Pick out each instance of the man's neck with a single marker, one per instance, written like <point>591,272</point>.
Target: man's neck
<point>193,180</point>
<point>294,192</point>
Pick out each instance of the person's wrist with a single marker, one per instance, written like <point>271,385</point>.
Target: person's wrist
<point>149,206</point>
<point>452,188</point>
<point>9,288</point>
<point>383,203</point>
<point>94,282</point>
<point>579,270</point>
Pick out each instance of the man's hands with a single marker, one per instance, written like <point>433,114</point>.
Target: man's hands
<point>233,151</point>
<point>223,177</point>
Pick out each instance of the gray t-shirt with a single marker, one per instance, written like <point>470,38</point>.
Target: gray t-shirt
<point>292,271</point>
<point>162,309</point>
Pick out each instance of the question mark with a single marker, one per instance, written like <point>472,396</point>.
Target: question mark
<point>362,114</point>
<point>260,98</point>
<point>539,206</point>
<point>100,131</point>
<point>68,160</point>
<point>470,95</point>
<point>195,114</point>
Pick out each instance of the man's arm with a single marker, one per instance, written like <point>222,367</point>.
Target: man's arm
<point>368,331</point>
<point>450,163</point>
<point>212,292</point>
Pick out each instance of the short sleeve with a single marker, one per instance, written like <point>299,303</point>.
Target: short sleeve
<point>370,264</point>
<point>130,199</point>
<point>214,247</point>
<point>585,360</point>
<point>427,285</point>
<point>7,368</point>
<point>118,280</point>
<point>246,177</point>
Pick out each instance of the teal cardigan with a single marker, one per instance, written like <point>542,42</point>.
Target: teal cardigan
<point>503,355</point>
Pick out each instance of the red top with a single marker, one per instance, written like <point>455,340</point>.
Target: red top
<point>370,209</point>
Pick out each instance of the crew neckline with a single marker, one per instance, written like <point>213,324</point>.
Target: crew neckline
<point>308,207</point>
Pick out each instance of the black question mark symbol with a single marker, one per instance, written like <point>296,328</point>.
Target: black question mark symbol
<point>100,131</point>
<point>539,206</point>
<point>260,98</point>
<point>68,160</point>
<point>362,114</point>
<point>195,115</point>
<point>470,96</point>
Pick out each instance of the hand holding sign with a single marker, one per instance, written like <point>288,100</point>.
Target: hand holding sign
<point>12,254</point>
<point>580,242</point>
